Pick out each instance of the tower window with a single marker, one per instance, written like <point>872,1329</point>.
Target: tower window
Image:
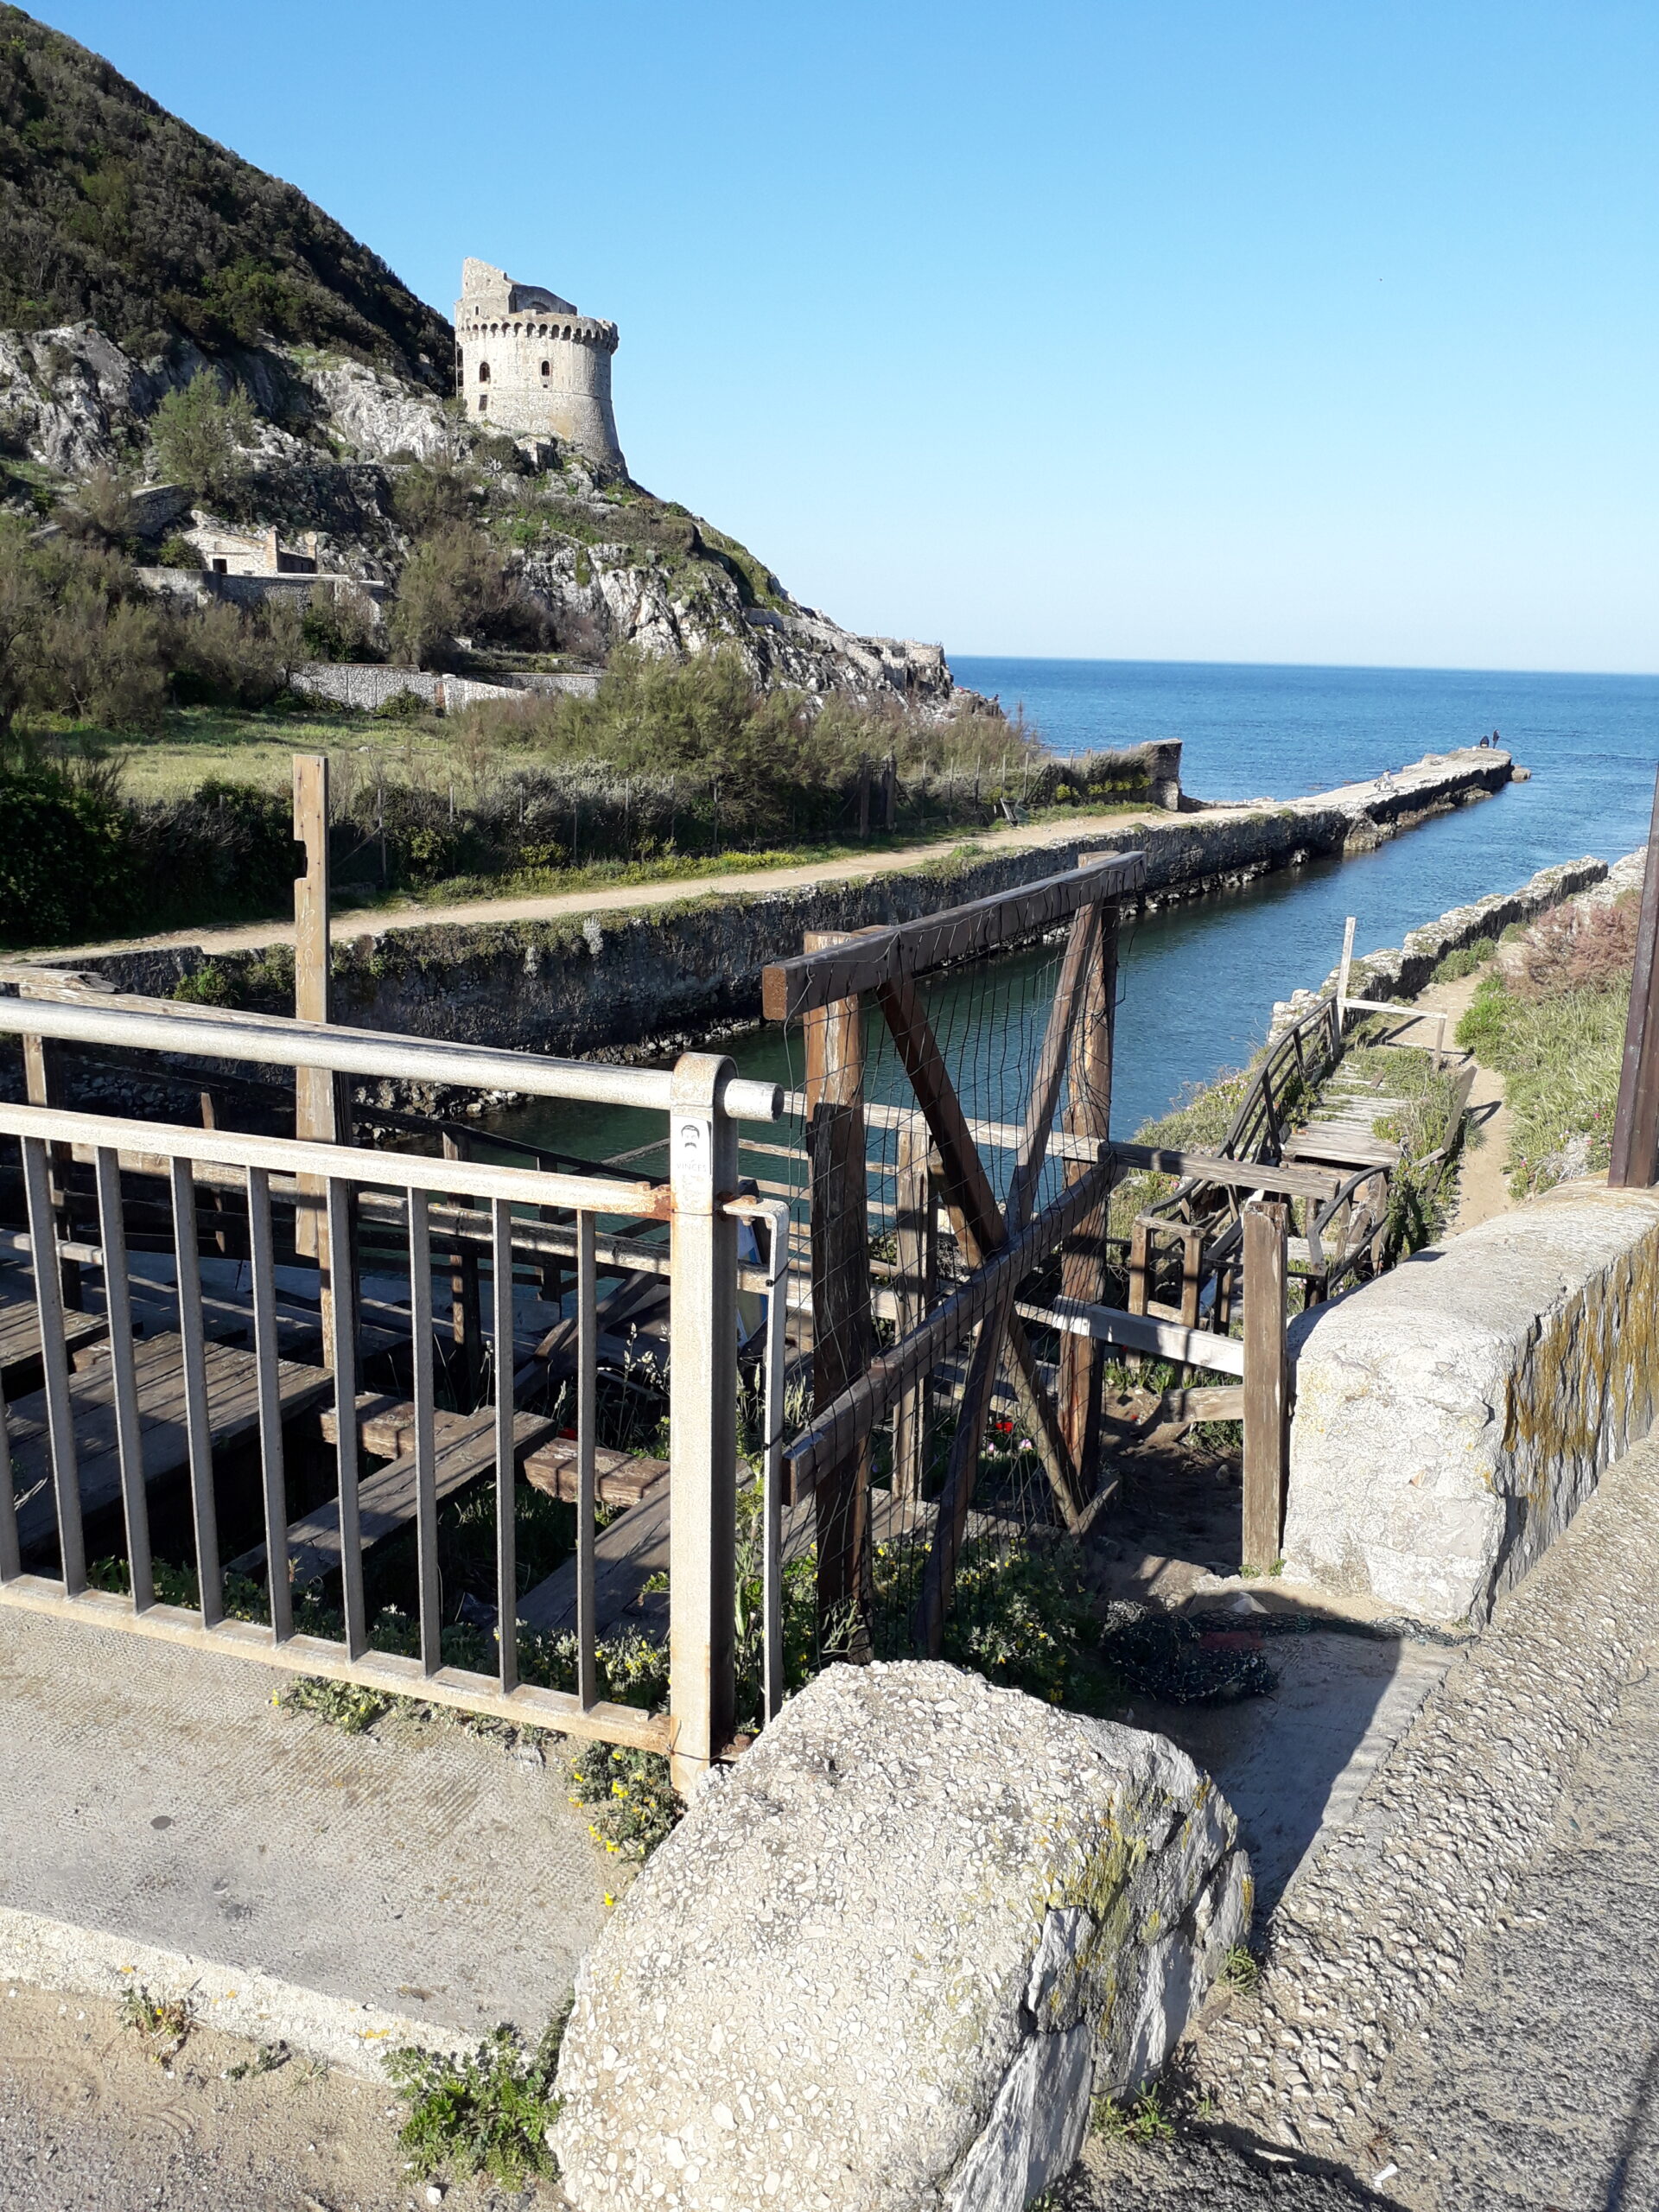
<point>546,369</point>
<point>483,372</point>
<point>483,402</point>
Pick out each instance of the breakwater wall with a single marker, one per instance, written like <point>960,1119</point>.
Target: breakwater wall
<point>1399,971</point>
<point>622,983</point>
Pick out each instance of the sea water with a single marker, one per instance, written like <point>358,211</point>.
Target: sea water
<point>1198,981</point>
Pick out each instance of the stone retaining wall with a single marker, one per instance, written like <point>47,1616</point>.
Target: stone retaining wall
<point>368,684</point>
<point>1452,1416</point>
<point>1399,971</point>
<point>625,984</point>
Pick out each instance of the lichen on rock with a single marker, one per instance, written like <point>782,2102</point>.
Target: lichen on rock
<point>889,1960</point>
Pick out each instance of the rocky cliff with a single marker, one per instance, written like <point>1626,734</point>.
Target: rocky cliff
<point>158,255</point>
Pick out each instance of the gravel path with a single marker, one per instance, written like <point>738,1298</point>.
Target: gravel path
<point>90,2121</point>
<point>601,898</point>
<point>1462,2010</point>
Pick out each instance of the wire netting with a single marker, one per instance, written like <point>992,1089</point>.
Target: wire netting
<point>857,1551</point>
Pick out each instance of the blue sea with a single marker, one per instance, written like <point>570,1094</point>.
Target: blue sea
<point>1198,980</point>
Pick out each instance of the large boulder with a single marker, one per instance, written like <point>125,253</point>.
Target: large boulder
<point>887,1960</point>
<point>1453,1415</point>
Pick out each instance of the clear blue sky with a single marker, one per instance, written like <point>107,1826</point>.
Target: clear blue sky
<point>1210,329</point>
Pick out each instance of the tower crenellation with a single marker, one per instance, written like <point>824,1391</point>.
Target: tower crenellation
<point>531,364</point>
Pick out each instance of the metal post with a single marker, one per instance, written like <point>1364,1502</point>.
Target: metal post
<point>1635,1162</point>
<point>702,1418</point>
<point>1267,1428</point>
<point>1344,967</point>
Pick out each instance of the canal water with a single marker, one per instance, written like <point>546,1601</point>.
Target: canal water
<point>1198,980</point>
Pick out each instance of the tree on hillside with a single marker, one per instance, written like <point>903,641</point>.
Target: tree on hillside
<point>200,434</point>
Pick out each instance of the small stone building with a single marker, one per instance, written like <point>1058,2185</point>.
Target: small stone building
<point>227,552</point>
<point>528,364</point>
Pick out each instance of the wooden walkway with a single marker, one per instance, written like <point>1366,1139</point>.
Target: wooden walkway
<point>20,1329</point>
<point>233,1400</point>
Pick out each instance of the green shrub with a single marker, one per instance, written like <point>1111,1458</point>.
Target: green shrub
<point>200,435</point>
<point>487,2115</point>
<point>66,864</point>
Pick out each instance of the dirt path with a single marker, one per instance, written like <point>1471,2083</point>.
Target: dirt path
<point>91,2122</point>
<point>599,899</point>
<point>1484,1180</point>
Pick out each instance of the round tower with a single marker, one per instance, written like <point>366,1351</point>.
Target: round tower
<point>528,364</point>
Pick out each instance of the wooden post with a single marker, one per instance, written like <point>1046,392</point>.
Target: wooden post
<point>43,1086</point>
<point>890,792</point>
<point>916,1238</point>
<point>1083,1267</point>
<point>703,1420</point>
<point>1343,969</point>
<point>466,1298</point>
<point>1266,1426</point>
<point>863,804</point>
<point>1635,1163</point>
<point>843,1336</point>
<point>1192,1273</point>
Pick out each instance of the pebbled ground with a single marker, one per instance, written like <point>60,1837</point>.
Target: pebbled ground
<point>1462,2013</point>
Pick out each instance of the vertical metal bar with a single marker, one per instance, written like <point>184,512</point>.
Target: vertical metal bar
<point>587,1441</point>
<point>262,1262</point>
<point>426,1478</point>
<point>343,1360</point>
<point>772,1555</point>
<point>54,1362</point>
<point>506,1503</point>
<point>198,1418</point>
<point>702,1419</point>
<point>129,1438</point>
<point>12,1563</point>
<point>317,1091</point>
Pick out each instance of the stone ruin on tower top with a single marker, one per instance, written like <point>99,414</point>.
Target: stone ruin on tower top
<point>528,364</point>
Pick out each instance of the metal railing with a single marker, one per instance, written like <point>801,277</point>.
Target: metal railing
<point>257,1183</point>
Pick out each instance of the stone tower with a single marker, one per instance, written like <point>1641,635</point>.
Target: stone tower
<point>526,363</point>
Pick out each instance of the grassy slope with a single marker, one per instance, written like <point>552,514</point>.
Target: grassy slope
<point>112,209</point>
<point>1560,1058</point>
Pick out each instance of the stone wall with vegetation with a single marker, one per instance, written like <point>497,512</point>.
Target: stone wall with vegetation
<point>1452,1417</point>
<point>627,982</point>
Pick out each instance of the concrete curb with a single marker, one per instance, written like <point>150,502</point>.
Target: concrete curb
<point>1377,1926</point>
<point>51,1955</point>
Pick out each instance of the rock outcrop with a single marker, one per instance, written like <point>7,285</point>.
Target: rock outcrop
<point>610,565</point>
<point>887,1961</point>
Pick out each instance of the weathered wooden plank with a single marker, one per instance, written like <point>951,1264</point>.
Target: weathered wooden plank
<point>1141,1332</point>
<point>232,1406</point>
<point>620,1477</point>
<point>1267,1424</point>
<point>791,988</point>
<point>386,1498</point>
<point>1208,1402</point>
<point>843,1336</point>
<point>20,1327</point>
<point>1083,1263</point>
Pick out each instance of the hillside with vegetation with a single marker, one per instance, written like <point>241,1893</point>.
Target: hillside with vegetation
<point>114,212</point>
<point>186,344</point>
